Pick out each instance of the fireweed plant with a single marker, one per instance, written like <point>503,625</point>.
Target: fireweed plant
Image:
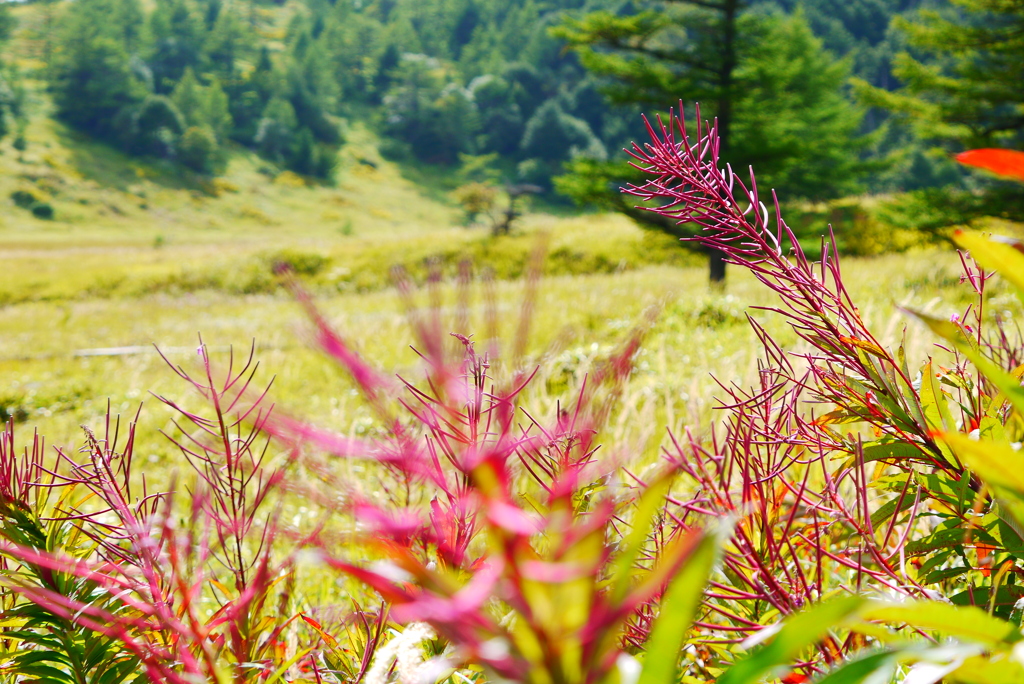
<point>485,540</point>
<point>824,505</point>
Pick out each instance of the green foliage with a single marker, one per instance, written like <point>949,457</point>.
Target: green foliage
<point>476,199</point>
<point>803,143</point>
<point>155,127</point>
<point>93,76</point>
<point>122,72</point>
<point>203,106</point>
<point>426,109</point>
<point>198,149</point>
<point>177,35</point>
<point>792,120</point>
<point>276,136</point>
<point>960,88</point>
<point>43,210</point>
<point>969,89</point>
<point>774,93</point>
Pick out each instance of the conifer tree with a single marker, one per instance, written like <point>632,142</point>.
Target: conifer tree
<point>964,86</point>
<point>775,92</point>
<point>93,76</point>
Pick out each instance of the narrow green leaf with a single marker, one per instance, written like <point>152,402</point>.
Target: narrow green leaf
<point>49,674</point>
<point>678,607</point>
<point>896,451</point>
<point>963,622</point>
<point>629,549</point>
<point>1004,259</point>
<point>876,666</point>
<point>997,464</point>
<point>281,671</point>
<point>1006,383</point>
<point>798,633</point>
<point>893,507</point>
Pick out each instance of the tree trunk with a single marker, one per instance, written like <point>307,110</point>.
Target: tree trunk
<point>716,257</point>
<point>730,60</point>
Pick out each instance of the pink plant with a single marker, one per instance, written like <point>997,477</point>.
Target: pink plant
<point>505,549</point>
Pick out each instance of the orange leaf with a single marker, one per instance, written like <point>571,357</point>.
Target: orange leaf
<point>1009,163</point>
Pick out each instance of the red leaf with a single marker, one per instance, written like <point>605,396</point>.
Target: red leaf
<point>1009,163</point>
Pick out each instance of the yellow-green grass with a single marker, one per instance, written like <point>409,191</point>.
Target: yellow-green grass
<point>48,383</point>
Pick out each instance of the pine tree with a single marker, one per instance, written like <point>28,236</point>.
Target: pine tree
<point>178,35</point>
<point>964,87</point>
<point>93,78</point>
<point>776,95</point>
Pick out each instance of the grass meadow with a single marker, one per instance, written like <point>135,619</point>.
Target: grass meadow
<point>62,358</point>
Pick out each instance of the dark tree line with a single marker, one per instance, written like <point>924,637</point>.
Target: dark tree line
<point>183,80</point>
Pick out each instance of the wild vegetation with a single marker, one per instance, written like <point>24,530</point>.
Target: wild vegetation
<point>546,452</point>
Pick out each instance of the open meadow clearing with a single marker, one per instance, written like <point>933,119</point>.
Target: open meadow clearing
<point>65,356</point>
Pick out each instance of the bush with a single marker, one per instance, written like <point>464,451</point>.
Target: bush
<point>25,198</point>
<point>476,199</point>
<point>156,126</point>
<point>43,210</point>
<point>198,149</point>
<point>301,263</point>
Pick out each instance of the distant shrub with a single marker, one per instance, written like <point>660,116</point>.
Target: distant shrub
<point>552,135</point>
<point>257,215</point>
<point>198,149</point>
<point>302,263</point>
<point>24,198</point>
<point>156,126</point>
<point>476,199</point>
<point>43,210</point>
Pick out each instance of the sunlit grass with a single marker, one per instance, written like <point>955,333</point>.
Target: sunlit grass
<point>700,335</point>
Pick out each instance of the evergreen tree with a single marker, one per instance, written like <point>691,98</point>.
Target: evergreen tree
<point>278,128</point>
<point>961,88</point>
<point>773,90</point>
<point>229,40</point>
<point>189,98</point>
<point>156,127</point>
<point>93,78</point>
<point>553,135</point>
<point>202,106</point>
<point>198,149</point>
<point>792,122</point>
<point>178,34</point>
<point>426,108</point>
<point>968,92</point>
<point>7,22</point>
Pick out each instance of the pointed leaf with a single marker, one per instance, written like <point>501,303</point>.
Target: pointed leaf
<point>874,667</point>
<point>629,549</point>
<point>1005,382</point>
<point>963,622</point>
<point>997,464</point>
<point>997,256</point>
<point>798,633</point>
<point>678,607</point>
<point>1008,163</point>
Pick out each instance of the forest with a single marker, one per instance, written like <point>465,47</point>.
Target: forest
<point>522,92</point>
